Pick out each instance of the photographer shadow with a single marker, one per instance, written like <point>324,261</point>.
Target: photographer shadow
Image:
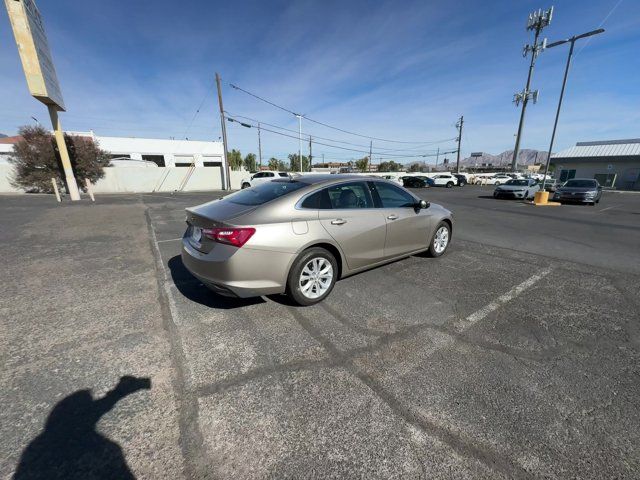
<point>70,447</point>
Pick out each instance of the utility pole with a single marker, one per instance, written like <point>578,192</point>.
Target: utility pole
<point>571,40</point>
<point>310,153</point>
<point>536,22</point>
<point>259,146</point>
<point>370,153</point>
<point>459,125</point>
<point>300,141</point>
<point>227,185</point>
<point>437,157</point>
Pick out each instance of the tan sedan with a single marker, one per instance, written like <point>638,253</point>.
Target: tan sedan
<point>300,235</point>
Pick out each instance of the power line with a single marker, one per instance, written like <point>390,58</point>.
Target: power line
<point>342,141</point>
<point>584,45</point>
<point>385,154</point>
<point>319,122</point>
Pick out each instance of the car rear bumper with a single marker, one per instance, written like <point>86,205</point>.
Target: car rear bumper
<point>238,272</point>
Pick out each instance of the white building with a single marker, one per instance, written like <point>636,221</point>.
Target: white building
<point>165,153</point>
<point>204,162</point>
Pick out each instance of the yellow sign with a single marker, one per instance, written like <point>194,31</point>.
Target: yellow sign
<point>33,46</point>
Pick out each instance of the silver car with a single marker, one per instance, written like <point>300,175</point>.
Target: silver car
<point>525,188</point>
<point>300,235</point>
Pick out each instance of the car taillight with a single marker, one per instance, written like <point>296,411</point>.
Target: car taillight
<point>231,236</point>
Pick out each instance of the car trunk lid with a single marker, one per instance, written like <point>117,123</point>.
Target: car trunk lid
<point>215,214</point>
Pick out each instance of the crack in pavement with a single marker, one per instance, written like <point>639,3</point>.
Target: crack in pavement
<point>191,441</point>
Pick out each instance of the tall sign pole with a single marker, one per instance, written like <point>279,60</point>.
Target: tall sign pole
<point>536,22</point>
<point>227,185</point>
<point>40,72</point>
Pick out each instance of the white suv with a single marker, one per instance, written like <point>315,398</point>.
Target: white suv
<point>444,180</point>
<point>261,177</point>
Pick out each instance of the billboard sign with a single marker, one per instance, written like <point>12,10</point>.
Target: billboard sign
<point>28,30</point>
<point>476,154</point>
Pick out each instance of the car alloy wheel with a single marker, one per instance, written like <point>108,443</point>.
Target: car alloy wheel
<point>316,278</point>
<point>312,276</point>
<point>440,240</point>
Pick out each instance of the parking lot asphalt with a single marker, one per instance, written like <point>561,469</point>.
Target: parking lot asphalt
<point>516,355</point>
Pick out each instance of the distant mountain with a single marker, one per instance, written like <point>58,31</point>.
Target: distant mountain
<point>2,135</point>
<point>525,157</point>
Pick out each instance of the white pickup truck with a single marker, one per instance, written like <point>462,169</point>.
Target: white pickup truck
<point>261,177</point>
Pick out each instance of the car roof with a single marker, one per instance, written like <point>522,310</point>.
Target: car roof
<point>312,179</point>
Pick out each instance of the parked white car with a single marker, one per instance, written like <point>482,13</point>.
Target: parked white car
<point>394,177</point>
<point>262,177</point>
<point>497,179</point>
<point>444,180</point>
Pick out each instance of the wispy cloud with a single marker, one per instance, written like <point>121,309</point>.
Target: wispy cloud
<point>401,69</point>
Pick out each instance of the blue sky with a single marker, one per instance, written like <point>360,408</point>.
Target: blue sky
<point>399,69</point>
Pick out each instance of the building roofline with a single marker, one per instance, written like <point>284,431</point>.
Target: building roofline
<point>607,142</point>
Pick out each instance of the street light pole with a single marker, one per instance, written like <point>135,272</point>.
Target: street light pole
<point>571,40</point>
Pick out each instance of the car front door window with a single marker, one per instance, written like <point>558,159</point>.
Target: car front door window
<point>350,195</point>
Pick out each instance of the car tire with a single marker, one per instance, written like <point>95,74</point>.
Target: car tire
<point>436,247</point>
<point>245,185</point>
<point>449,184</point>
<point>304,266</point>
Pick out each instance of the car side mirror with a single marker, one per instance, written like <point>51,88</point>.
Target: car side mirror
<point>422,204</point>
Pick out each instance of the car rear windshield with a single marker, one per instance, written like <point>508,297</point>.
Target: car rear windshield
<point>265,192</point>
<point>581,184</point>
<point>522,183</point>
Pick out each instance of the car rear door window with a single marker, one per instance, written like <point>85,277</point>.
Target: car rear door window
<point>393,197</point>
<point>318,200</point>
<point>350,195</point>
<point>283,174</point>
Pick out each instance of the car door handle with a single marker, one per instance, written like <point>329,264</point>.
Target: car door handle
<point>338,221</point>
<point>393,216</point>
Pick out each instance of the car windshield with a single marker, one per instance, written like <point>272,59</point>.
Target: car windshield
<point>265,192</point>
<point>580,184</point>
<point>521,183</point>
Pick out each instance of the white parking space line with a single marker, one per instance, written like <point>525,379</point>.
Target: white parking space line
<point>608,208</point>
<point>169,240</point>
<point>475,317</point>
